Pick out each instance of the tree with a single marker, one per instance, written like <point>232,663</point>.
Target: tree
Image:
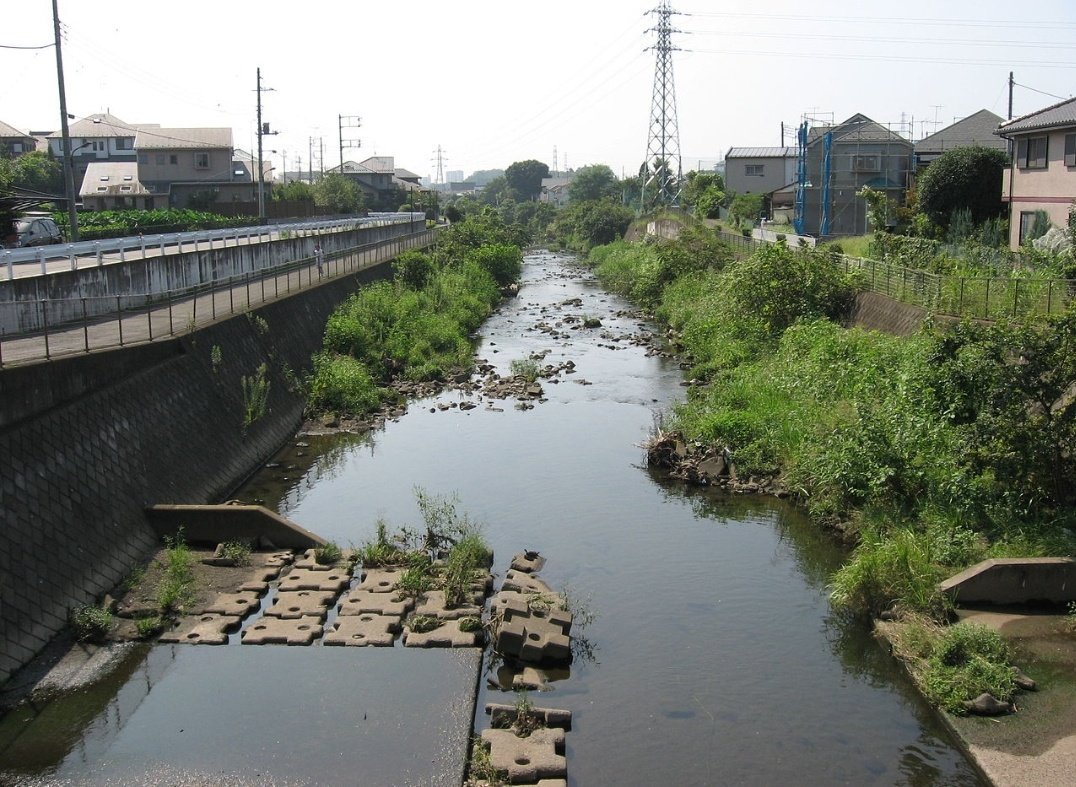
<point>705,192</point>
<point>963,178</point>
<point>337,194</point>
<point>524,178</point>
<point>592,183</point>
<point>495,191</point>
<point>36,171</point>
<point>293,191</point>
<point>745,208</point>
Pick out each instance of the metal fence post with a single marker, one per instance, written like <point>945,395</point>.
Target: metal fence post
<point>986,307</point>
<point>149,321</point>
<point>171,328</point>
<point>119,319</point>
<point>1049,296</point>
<point>85,328</point>
<point>1015,295</point>
<point>45,324</point>
<point>97,249</point>
<point>41,259</point>
<point>9,265</point>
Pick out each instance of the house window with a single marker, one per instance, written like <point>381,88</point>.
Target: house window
<point>1070,150</point>
<point>201,161</point>
<point>160,159</point>
<point>1031,152</point>
<point>1027,223</point>
<point>753,170</point>
<point>125,143</point>
<point>99,145</point>
<point>173,159</point>
<point>868,163</point>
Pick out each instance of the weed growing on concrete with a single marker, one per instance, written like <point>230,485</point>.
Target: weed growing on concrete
<point>328,553</point>
<point>91,623</point>
<point>480,769</point>
<point>525,368</point>
<point>466,557</point>
<point>420,624</point>
<point>261,327</point>
<point>418,577</point>
<point>215,358</point>
<point>175,590</point>
<point>255,396</point>
<point>149,627</point>
<point>470,624</point>
<point>526,721</point>
<point>236,551</point>
<point>381,551</point>
<point>134,576</point>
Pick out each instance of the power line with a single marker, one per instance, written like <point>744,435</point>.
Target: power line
<point>887,57</point>
<point>13,46</point>
<point>891,20</point>
<point>1036,90</point>
<point>888,40</point>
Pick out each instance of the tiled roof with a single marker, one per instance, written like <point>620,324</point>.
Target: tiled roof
<point>785,152</point>
<point>977,129</point>
<point>99,125</point>
<point>10,132</point>
<point>1056,115</point>
<point>858,128</point>
<point>183,138</point>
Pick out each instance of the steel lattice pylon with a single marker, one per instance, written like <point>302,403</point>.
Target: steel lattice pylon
<point>662,171</point>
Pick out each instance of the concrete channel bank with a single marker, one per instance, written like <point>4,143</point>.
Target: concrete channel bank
<point>88,441</point>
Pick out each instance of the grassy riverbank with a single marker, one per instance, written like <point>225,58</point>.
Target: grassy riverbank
<point>931,452</point>
<point>417,327</point>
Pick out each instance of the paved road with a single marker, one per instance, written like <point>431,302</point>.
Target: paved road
<point>188,313</point>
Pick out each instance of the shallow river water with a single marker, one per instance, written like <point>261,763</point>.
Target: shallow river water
<point>716,656</point>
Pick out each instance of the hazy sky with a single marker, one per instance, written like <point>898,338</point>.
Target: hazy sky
<point>497,81</point>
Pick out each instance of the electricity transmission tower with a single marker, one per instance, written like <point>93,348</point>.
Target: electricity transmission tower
<point>662,171</point>
<point>440,160</point>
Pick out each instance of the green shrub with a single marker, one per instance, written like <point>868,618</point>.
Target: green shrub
<point>420,624</point>
<point>967,660</point>
<point>328,554</point>
<point>236,551</point>
<point>149,627</point>
<point>342,384</point>
<point>890,570</point>
<point>525,368</point>
<point>91,623</point>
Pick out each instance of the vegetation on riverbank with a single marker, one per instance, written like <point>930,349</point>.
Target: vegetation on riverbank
<point>930,452</point>
<point>418,326</point>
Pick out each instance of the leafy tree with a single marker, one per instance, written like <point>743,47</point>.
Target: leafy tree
<point>36,171</point>
<point>483,177</point>
<point>593,183</point>
<point>963,178</point>
<point>337,194</point>
<point>585,224</point>
<point>495,191</point>
<point>524,178</point>
<point>502,261</point>
<point>745,208</point>
<point>705,192</point>
<point>293,191</point>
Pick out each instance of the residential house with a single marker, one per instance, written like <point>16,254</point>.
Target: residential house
<point>977,129</point>
<point>1042,175</point>
<point>384,186</point>
<point>114,185</point>
<point>14,142</point>
<point>555,190</point>
<point>96,138</point>
<point>759,170</point>
<point>187,163</point>
<point>835,162</point>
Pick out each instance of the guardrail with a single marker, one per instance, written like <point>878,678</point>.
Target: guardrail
<point>92,252</point>
<point>979,297</point>
<point>140,317</point>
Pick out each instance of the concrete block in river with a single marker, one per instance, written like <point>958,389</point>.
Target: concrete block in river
<point>208,629</point>
<point>503,716</point>
<point>307,579</point>
<point>363,630</point>
<point>241,603</point>
<point>528,562</point>
<point>380,580</point>
<point>278,631</point>
<point>292,604</point>
<point>531,632</point>
<point>526,760</point>
<point>359,601</point>
<point>447,635</point>
<point>433,604</point>
<point>522,582</point>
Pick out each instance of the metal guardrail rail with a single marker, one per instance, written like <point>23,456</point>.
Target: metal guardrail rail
<point>94,252</point>
<point>984,298</point>
<point>141,318</point>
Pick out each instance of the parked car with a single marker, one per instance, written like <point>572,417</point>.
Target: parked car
<point>32,231</point>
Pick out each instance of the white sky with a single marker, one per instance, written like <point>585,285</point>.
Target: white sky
<point>497,81</point>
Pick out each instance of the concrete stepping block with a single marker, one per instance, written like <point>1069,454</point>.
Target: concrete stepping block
<point>522,582</point>
<point>292,604</point>
<point>503,716</point>
<point>528,562</point>
<point>433,605</point>
<point>359,601</point>
<point>364,630</point>
<point>208,629</point>
<point>278,631</point>
<point>535,634</point>
<point>241,604</point>
<point>272,559</point>
<point>447,635</point>
<point>308,560</point>
<point>380,580</point>
<point>308,579</point>
<point>530,679</point>
<point>526,760</point>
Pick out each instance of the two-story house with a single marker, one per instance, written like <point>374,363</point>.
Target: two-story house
<point>14,142</point>
<point>1042,175</point>
<point>384,185</point>
<point>974,130</point>
<point>96,138</point>
<point>835,162</point>
<point>759,170</point>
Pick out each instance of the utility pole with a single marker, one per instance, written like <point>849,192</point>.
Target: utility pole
<point>347,121</point>
<point>263,131</point>
<point>1012,84</point>
<point>310,160</point>
<point>69,165</point>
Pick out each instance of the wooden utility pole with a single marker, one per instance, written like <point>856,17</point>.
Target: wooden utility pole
<point>69,165</point>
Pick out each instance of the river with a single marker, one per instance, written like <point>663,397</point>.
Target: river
<point>716,657</point>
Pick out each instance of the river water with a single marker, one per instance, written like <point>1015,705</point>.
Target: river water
<point>715,657</point>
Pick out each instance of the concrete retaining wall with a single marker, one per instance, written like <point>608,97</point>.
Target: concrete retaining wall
<point>96,288</point>
<point>90,441</point>
<point>879,313</point>
<point>1015,581</point>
